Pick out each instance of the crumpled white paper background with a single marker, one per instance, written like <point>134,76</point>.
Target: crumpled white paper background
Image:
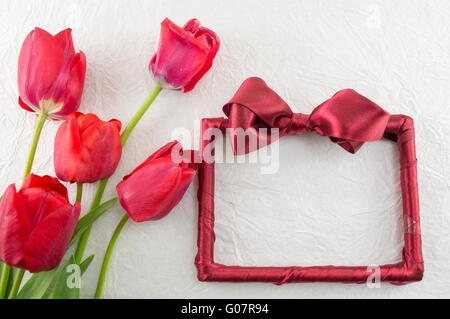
<point>323,206</point>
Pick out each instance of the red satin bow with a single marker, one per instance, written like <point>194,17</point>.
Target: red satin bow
<point>348,118</point>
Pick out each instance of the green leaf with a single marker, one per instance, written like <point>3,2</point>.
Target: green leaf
<point>1,283</point>
<point>36,287</point>
<point>86,263</point>
<point>68,283</point>
<point>64,289</point>
<point>39,284</point>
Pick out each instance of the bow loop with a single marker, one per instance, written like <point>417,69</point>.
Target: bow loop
<point>348,118</point>
<point>258,106</point>
<point>349,115</point>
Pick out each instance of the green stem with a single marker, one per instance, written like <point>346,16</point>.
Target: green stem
<point>37,133</point>
<point>4,281</point>
<point>106,259</point>
<point>16,284</point>
<point>79,252</point>
<point>6,272</point>
<point>79,192</point>
<point>140,113</point>
<point>101,187</point>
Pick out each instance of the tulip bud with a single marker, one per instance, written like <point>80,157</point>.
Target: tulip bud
<point>50,75</point>
<point>156,186</point>
<point>36,224</point>
<point>87,149</point>
<point>184,54</point>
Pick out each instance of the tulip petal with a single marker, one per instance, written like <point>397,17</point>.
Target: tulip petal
<point>65,40</point>
<point>100,152</point>
<point>72,86</point>
<point>152,191</point>
<point>192,26</point>
<point>67,149</point>
<point>47,183</point>
<point>213,43</point>
<point>39,204</point>
<point>14,228</point>
<point>117,124</point>
<point>86,120</point>
<point>25,106</point>
<point>177,194</point>
<point>47,243</point>
<point>165,151</point>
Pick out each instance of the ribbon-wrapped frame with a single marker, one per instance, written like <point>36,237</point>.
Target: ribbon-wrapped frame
<point>349,120</point>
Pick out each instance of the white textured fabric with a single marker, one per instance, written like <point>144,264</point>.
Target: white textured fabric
<point>324,206</point>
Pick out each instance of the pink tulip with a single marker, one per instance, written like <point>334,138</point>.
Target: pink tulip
<point>50,75</point>
<point>87,149</point>
<point>184,54</point>
<point>156,186</point>
<point>36,223</point>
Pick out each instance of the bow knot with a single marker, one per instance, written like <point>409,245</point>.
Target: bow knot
<point>348,118</point>
<point>299,124</point>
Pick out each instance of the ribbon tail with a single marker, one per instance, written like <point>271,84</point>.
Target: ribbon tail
<point>348,145</point>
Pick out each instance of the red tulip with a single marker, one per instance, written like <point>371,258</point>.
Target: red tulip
<point>156,186</point>
<point>87,149</point>
<point>51,75</point>
<point>184,54</point>
<point>36,224</point>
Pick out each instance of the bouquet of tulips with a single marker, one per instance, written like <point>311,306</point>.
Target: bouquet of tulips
<point>38,223</point>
